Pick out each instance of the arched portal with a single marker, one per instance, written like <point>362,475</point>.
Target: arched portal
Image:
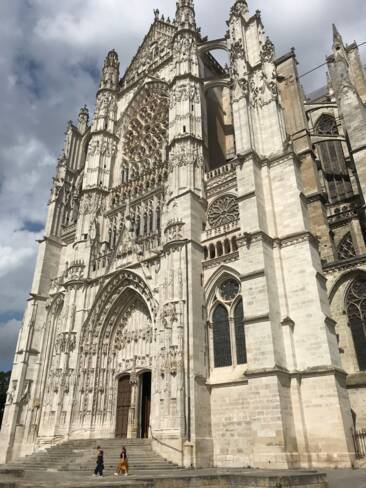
<point>115,353</point>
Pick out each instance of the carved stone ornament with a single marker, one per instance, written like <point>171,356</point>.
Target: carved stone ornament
<point>267,52</point>
<point>173,230</point>
<point>65,342</point>
<point>223,211</point>
<point>262,90</point>
<point>239,8</point>
<point>237,51</point>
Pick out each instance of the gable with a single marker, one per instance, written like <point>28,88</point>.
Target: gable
<point>155,49</point>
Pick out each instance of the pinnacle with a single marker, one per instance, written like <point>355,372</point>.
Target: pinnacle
<point>337,38</point>
<point>185,15</point>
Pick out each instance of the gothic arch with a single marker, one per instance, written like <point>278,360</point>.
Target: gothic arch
<point>107,298</point>
<point>116,339</point>
<point>349,276</point>
<point>222,273</point>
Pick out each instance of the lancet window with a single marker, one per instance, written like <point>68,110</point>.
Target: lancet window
<point>333,163</point>
<point>228,328</point>
<point>356,312</point>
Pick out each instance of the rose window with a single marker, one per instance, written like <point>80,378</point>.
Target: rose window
<point>229,289</point>
<point>223,211</point>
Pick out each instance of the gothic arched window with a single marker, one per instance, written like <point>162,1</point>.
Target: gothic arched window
<point>221,337</point>
<point>356,311</point>
<point>228,331</point>
<point>332,160</point>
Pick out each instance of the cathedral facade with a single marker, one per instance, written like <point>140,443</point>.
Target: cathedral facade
<point>202,277</point>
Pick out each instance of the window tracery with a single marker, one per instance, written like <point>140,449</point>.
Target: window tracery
<point>327,125</point>
<point>356,312</point>
<point>333,163</point>
<point>223,210</point>
<point>346,249</point>
<point>228,330</point>
<point>146,133</point>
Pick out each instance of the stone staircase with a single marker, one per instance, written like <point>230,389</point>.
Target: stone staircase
<point>80,456</point>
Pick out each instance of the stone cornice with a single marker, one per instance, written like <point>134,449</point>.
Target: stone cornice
<point>298,373</point>
<point>228,258</point>
<point>247,239</point>
<point>255,319</point>
<point>338,266</point>
<point>260,273</point>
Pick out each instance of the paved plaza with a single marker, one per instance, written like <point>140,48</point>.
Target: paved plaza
<point>339,478</point>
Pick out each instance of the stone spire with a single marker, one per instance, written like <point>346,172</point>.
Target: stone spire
<point>337,39</point>
<point>110,72</point>
<point>185,15</point>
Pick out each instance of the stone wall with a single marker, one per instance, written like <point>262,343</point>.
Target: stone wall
<point>230,425</point>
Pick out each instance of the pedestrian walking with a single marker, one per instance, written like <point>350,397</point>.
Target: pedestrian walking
<point>122,467</point>
<point>100,462</point>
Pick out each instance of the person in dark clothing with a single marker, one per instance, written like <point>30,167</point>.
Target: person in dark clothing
<point>100,462</point>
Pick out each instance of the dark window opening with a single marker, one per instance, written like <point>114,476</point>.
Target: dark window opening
<point>241,353</point>
<point>221,337</point>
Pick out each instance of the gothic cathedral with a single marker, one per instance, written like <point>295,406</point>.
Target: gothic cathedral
<point>202,277</point>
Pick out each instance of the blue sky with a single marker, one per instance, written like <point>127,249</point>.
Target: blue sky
<point>50,57</point>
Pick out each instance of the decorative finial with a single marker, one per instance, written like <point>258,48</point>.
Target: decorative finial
<point>156,13</point>
<point>83,119</point>
<point>240,7</point>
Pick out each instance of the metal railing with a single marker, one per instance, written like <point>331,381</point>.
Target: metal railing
<point>359,441</point>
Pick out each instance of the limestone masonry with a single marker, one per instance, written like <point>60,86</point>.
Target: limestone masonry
<point>202,278</point>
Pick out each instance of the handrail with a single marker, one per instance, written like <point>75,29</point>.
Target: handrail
<point>163,443</point>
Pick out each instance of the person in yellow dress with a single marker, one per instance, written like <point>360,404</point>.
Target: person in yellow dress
<point>122,467</point>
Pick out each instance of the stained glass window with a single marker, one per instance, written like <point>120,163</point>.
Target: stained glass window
<point>229,289</point>
<point>221,337</point>
<point>241,353</point>
<point>356,311</point>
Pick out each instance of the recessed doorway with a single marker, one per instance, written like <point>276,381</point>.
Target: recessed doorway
<point>145,404</point>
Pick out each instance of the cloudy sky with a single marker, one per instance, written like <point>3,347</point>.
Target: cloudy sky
<point>50,57</point>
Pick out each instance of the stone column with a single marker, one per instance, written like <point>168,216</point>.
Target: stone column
<point>133,414</point>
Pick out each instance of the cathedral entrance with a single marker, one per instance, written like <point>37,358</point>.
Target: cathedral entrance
<point>123,406</point>
<point>145,404</point>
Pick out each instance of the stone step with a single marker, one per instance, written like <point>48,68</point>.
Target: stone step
<point>80,457</point>
<point>85,467</point>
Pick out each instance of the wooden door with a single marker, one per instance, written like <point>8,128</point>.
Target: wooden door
<point>123,406</point>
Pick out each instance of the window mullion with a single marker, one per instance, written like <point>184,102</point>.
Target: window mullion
<point>233,341</point>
